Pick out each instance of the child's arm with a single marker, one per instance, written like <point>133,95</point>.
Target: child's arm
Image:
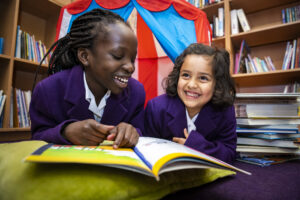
<point>222,144</point>
<point>44,126</point>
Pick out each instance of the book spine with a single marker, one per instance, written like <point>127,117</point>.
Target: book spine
<point>297,59</point>
<point>240,55</point>
<point>243,20</point>
<point>234,22</point>
<point>283,16</point>
<point>293,54</point>
<point>221,21</point>
<point>1,45</point>
<point>252,63</point>
<point>285,54</point>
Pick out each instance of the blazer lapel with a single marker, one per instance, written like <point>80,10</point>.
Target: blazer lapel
<point>205,122</point>
<point>178,121</point>
<point>75,95</point>
<point>116,109</point>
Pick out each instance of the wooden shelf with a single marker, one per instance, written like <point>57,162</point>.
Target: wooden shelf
<point>267,78</point>
<point>29,66</point>
<point>43,9</point>
<point>267,35</point>
<point>14,134</point>
<point>257,5</point>
<point>4,57</point>
<point>8,130</point>
<point>212,9</point>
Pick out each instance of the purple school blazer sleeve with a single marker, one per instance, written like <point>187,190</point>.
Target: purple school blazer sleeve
<point>43,125</point>
<point>215,129</point>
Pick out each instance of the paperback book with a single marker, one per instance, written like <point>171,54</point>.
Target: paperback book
<point>151,156</point>
<point>264,161</point>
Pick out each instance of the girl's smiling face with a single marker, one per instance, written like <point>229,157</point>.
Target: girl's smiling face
<point>196,82</point>
<point>111,62</point>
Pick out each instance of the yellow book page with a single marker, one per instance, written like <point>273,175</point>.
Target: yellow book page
<point>104,155</point>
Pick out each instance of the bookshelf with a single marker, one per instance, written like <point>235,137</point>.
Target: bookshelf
<point>267,37</point>
<point>38,19</point>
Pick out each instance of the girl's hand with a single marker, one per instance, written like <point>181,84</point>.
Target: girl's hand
<point>181,140</point>
<point>86,132</point>
<point>124,135</point>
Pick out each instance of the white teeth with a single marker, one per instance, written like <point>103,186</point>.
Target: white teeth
<point>123,80</point>
<point>192,94</point>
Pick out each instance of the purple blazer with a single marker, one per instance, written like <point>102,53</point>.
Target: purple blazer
<point>215,134</point>
<point>60,99</point>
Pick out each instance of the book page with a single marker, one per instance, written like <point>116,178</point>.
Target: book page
<point>104,155</point>
<point>157,152</point>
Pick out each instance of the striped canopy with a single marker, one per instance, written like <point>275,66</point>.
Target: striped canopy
<point>164,28</point>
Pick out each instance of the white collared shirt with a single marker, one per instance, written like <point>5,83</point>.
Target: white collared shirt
<point>89,96</point>
<point>190,122</point>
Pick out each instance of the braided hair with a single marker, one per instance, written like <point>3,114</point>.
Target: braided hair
<point>83,32</point>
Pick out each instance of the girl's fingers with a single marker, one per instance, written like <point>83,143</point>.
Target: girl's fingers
<point>186,134</point>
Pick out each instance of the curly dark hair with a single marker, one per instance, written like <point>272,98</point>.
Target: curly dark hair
<point>224,93</point>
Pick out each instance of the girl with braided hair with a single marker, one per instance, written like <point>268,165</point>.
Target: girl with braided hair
<point>90,95</point>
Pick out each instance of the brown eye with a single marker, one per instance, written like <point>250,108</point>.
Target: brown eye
<point>185,75</point>
<point>203,78</point>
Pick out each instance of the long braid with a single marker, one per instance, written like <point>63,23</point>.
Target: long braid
<point>84,30</point>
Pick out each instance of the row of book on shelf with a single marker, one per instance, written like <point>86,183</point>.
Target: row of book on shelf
<point>290,14</point>
<point>27,47</point>
<point>202,3</point>
<point>268,127</point>
<point>245,63</point>
<point>19,110</point>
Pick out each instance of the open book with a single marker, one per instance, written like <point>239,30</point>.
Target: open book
<point>151,156</point>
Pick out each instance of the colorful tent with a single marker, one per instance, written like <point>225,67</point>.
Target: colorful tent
<point>164,29</point>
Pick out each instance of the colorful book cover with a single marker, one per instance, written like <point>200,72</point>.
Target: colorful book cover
<point>151,156</point>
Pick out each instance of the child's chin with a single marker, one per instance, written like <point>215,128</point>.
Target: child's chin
<point>117,90</point>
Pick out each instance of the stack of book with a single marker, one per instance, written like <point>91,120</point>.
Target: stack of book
<point>268,127</point>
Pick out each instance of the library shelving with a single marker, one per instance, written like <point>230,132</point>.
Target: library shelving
<point>268,37</point>
<point>38,19</point>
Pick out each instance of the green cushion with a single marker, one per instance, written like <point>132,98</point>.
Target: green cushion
<point>32,181</point>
